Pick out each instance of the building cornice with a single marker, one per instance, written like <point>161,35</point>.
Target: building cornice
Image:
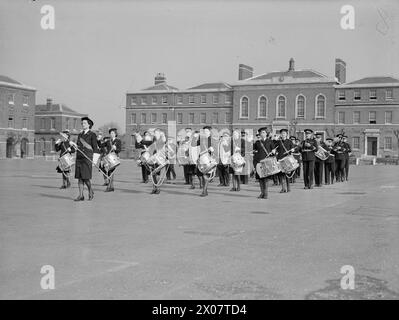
<point>16,86</point>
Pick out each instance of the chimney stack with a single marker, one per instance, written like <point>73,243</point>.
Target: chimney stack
<point>245,72</point>
<point>340,70</point>
<point>291,66</point>
<point>49,102</point>
<point>160,78</point>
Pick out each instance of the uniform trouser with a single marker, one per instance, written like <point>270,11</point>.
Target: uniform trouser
<point>171,171</point>
<point>308,170</point>
<point>186,175</point>
<point>346,167</point>
<point>339,169</point>
<point>284,181</point>
<point>329,172</point>
<point>244,179</point>
<point>144,173</point>
<point>110,176</point>
<point>318,172</point>
<point>224,177</point>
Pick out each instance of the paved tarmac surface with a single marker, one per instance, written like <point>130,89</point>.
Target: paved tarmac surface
<point>133,245</point>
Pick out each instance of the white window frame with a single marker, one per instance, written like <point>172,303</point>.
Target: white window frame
<point>386,94</point>
<point>338,113</point>
<point>153,118</point>
<point>341,96</point>
<point>26,122</point>
<point>385,143</point>
<point>154,100</point>
<point>241,116</point>
<point>227,116</point>
<point>267,107</point>
<point>386,112</point>
<point>133,115</point>
<point>285,106</point>
<point>164,121</point>
<point>217,117</point>
<point>12,102</point>
<point>133,101</point>
<point>191,99</point>
<point>52,123</point>
<point>13,122</point>
<point>179,99</point>
<point>315,106</point>
<point>164,100</point>
<point>203,96</point>
<point>201,118</point>
<point>353,117</point>
<point>189,117</point>
<point>354,94</point>
<point>141,118</point>
<point>178,116</point>
<point>227,98</point>
<point>215,97</point>
<point>296,106</point>
<point>373,97</point>
<point>353,143</point>
<point>25,100</point>
<point>375,118</point>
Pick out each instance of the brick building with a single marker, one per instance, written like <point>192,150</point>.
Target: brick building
<point>17,102</point>
<point>367,110</point>
<point>296,99</point>
<point>50,120</point>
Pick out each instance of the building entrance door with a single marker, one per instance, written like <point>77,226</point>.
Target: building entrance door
<point>9,148</point>
<point>372,146</point>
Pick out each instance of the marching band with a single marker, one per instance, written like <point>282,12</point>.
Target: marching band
<point>202,154</point>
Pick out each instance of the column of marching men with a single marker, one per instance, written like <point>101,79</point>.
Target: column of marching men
<point>204,156</point>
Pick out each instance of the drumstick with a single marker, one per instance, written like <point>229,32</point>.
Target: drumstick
<point>77,148</point>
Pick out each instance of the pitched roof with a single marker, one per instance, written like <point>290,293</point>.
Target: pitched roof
<point>296,74</point>
<point>375,80</point>
<point>8,82</point>
<point>8,79</point>
<point>161,86</point>
<point>213,85</point>
<point>59,108</point>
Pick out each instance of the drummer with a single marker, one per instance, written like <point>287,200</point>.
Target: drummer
<point>101,142</point>
<point>263,148</point>
<point>86,152</point>
<point>113,144</point>
<point>63,146</point>
<point>158,145</point>
<point>207,144</point>
<point>308,148</point>
<point>224,160</point>
<point>284,148</point>
<point>143,144</point>
<point>236,146</point>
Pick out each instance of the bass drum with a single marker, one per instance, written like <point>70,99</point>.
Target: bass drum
<point>237,162</point>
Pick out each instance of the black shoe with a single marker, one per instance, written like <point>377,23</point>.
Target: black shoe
<point>203,194</point>
<point>91,195</point>
<point>238,189</point>
<point>233,189</point>
<point>192,186</point>
<point>80,198</point>
<point>63,187</point>
<point>283,191</point>
<point>109,189</point>
<point>311,187</point>
<point>261,196</point>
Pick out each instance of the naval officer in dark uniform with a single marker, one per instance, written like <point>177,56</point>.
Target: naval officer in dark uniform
<point>87,149</point>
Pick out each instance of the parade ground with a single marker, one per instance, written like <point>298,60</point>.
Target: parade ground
<point>130,244</point>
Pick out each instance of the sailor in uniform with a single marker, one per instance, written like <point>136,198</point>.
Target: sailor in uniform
<point>263,148</point>
<point>347,153</point>
<point>143,143</point>
<point>284,148</point>
<point>308,148</point>
<point>63,146</point>
<point>339,148</point>
<point>319,164</point>
<point>113,144</point>
<point>329,163</point>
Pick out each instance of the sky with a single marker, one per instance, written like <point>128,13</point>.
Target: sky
<point>101,49</point>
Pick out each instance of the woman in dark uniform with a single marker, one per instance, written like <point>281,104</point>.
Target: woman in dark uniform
<point>113,144</point>
<point>87,144</point>
<point>63,146</point>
